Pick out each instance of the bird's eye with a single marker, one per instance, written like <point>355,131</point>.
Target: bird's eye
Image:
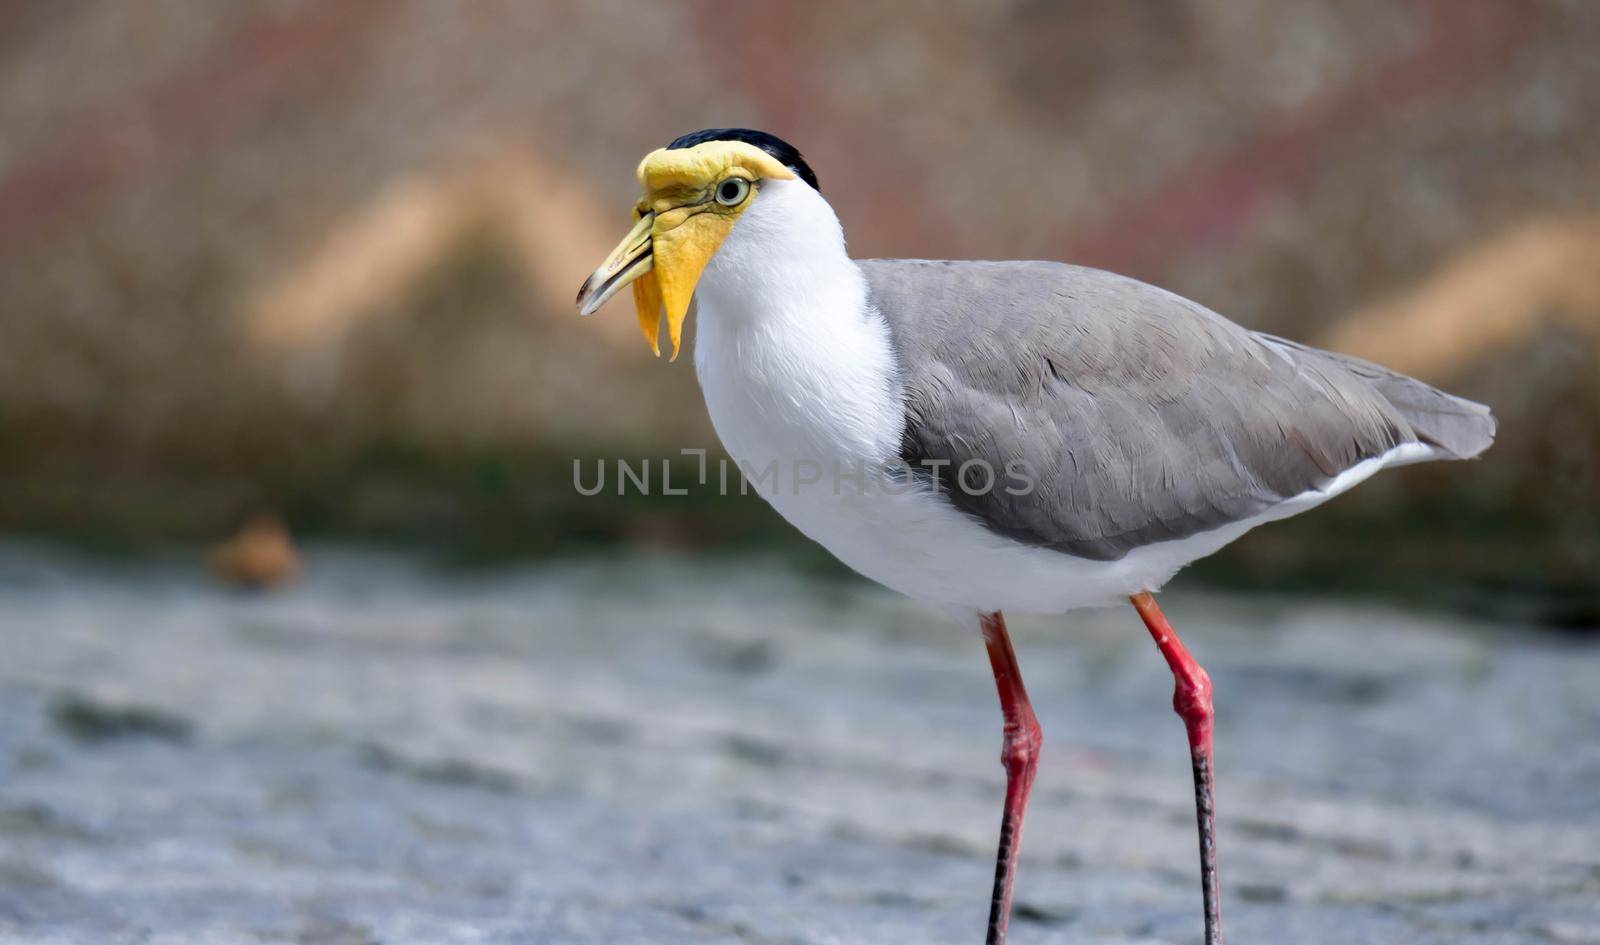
<point>731,192</point>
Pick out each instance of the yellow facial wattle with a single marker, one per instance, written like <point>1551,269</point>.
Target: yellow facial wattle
<point>692,198</point>
<point>647,303</point>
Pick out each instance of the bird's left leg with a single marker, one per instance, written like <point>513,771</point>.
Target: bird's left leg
<point>1019,755</point>
<point>1191,699</point>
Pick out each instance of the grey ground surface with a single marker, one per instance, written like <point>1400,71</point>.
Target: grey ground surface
<point>654,750</point>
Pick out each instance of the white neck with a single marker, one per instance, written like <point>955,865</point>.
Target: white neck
<point>793,363</point>
<point>786,249</point>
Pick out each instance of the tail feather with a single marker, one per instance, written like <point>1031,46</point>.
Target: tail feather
<point>1459,427</point>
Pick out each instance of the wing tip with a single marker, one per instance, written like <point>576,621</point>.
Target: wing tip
<point>1466,434</point>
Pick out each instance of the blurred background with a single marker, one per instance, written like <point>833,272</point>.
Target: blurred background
<point>317,259</point>
<point>286,302</point>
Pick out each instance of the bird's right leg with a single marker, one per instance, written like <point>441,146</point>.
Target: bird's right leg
<point>1191,699</point>
<point>1019,755</point>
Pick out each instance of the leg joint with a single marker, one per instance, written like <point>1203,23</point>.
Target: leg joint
<point>1023,739</point>
<point>1191,696</point>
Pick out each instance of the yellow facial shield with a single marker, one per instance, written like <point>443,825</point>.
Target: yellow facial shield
<point>692,197</point>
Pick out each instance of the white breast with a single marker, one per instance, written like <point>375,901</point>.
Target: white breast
<point>799,375</point>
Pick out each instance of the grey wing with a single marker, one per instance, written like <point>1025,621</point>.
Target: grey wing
<point>1126,414</point>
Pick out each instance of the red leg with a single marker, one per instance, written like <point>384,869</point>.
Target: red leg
<point>1020,756</point>
<point>1192,700</point>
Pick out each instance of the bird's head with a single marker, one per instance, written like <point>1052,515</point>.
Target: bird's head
<point>694,191</point>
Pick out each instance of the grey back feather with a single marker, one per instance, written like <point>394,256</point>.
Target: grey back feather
<point>1139,416</point>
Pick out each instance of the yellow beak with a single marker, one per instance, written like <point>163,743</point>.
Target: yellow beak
<point>662,257</point>
<point>631,259</point>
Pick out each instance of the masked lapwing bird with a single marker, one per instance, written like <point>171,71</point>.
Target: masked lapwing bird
<point>986,436</point>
